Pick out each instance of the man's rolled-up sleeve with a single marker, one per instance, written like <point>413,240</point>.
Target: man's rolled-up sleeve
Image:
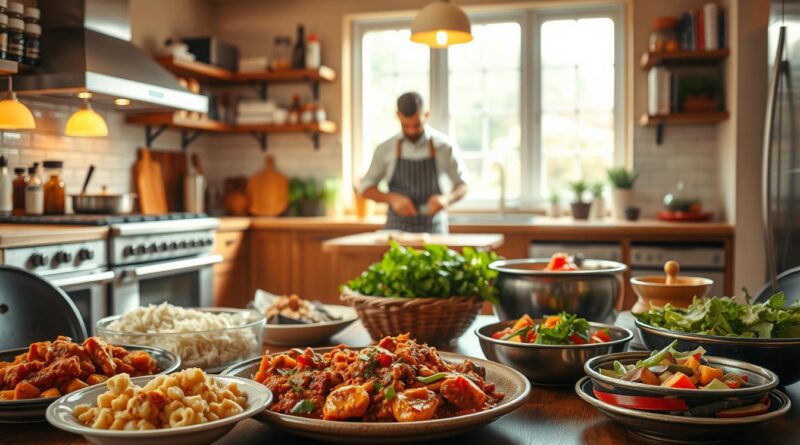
<point>376,171</point>
<point>455,168</point>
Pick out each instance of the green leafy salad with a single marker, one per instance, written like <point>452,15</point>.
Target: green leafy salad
<point>724,316</point>
<point>434,271</point>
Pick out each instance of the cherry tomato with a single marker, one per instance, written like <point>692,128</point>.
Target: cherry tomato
<point>577,340</point>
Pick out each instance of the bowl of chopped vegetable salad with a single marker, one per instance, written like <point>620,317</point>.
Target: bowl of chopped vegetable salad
<point>688,382</point>
<point>764,334</point>
<point>550,351</point>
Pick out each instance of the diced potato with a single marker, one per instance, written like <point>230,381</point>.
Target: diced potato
<point>73,385</point>
<point>7,395</point>
<point>708,374</point>
<point>523,321</point>
<point>692,362</point>
<point>50,392</point>
<point>679,380</point>
<point>94,379</point>
<point>25,390</point>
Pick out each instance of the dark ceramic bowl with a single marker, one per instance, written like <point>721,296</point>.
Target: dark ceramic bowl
<point>683,429</point>
<point>779,355</point>
<point>689,402</point>
<point>549,365</point>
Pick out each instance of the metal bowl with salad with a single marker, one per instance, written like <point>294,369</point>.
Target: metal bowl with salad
<point>550,351</point>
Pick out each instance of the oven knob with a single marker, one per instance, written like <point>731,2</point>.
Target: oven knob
<point>39,259</point>
<point>209,241</point>
<point>127,250</point>
<point>183,244</point>
<point>141,249</point>
<point>162,247</point>
<point>192,243</point>
<point>63,257</point>
<point>88,254</point>
<point>152,248</point>
<point>173,245</point>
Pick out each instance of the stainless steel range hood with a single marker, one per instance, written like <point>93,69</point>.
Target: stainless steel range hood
<point>86,47</point>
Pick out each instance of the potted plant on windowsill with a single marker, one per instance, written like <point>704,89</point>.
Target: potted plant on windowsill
<point>622,181</point>
<point>598,202</point>
<point>555,205</point>
<point>580,209</point>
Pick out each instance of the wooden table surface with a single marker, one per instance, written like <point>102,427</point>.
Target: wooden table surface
<point>550,416</point>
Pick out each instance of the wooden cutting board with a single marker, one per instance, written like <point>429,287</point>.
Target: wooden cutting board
<point>268,191</point>
<point>173,170</point>
<point>150,184</point>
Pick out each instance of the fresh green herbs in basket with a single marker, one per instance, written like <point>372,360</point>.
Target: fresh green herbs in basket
<point>434,271</point>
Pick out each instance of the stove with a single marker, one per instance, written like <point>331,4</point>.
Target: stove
<point>146,259</point>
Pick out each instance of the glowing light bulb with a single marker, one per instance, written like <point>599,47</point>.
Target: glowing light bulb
<point>84,95</point>
<point>441,38</point>
<point>122,102</point>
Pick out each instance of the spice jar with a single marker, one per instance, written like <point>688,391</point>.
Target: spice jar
<point>664,35</point>
<point>281,54</point>
<point>54,189</point>
<point>18,195</point>
<point>34,192</point>
<point>32,15</point>
<point>3,36</point>
<point>16,40</point>
<point>15,10</point>
<point>3,6</point>
<point>33,43</point>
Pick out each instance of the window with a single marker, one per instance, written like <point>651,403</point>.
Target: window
<point>538,92</point>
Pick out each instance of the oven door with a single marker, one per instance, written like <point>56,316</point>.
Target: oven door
<point>186,282</point>
<point>89,292</point>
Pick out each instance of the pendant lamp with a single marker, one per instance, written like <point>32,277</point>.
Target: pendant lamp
<point>86,123</point>
<point>14,115</point>
<point>440,24</point>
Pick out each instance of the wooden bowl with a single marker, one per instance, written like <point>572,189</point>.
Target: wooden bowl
<point>669,288</point>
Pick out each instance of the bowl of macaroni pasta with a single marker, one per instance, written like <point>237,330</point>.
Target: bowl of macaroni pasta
<point>183,408</point>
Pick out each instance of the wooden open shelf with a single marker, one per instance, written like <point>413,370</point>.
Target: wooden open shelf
<point>173,120</point>
<point>324,127</point>
<point>8,67</point>
<point>651,59</point>
<point>206,72</point>
<point>650,120</point>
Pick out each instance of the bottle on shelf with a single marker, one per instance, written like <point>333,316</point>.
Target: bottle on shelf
<point>19,190</point>
<point>299,52</point>
<point>33,44</point>
<point>54,189</point>
<point>281,54</point>
<point>16,40</point>
<point>6,188</point>
<point>295,111</point>
<point>313,52</point>
<point>34,192</point>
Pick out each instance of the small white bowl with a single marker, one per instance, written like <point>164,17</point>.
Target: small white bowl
<point>59,414</point>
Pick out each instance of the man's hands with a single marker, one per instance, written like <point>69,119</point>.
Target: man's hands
<point>436,203</point>
<point>402,205</point>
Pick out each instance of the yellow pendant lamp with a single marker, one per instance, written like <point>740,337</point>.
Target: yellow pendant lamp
<point>13,114</point>
<point>86,123</point>
<point>440,24</point>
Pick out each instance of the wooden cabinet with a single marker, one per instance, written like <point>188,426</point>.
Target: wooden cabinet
<point>271,261</point>
<point>313,277</point>
<point>231,275</point>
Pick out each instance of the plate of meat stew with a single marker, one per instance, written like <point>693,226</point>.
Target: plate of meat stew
<point>395,391</point>
<point>31,378</point>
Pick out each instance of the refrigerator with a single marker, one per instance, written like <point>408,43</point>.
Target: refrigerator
<point>781,152</point>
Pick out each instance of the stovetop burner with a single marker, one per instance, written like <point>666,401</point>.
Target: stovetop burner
<point>96,220</point>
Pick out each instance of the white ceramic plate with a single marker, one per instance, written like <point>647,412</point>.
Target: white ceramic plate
<point>305,334</point>
<point>508,381</point>
<point>59,414</point>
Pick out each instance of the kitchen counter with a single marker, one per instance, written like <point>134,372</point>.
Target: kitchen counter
<point>512,223</point>
<point>22,235</point>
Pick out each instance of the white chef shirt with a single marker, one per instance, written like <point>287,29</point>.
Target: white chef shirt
<point>448,162</point>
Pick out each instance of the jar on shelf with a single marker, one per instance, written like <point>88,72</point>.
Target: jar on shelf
<point>664,35</point>
<point>281,54</point>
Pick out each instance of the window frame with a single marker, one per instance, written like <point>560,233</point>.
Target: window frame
<point>530,19</point>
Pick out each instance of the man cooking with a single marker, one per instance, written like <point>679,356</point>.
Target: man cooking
<point>413,162</point>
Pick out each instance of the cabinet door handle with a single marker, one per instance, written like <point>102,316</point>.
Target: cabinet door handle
<point>229,242</point>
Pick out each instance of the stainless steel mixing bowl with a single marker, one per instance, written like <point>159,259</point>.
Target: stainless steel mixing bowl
<point>549,365</point>
<point>593,292</point>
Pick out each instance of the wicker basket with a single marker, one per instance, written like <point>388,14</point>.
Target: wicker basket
<point>438,321</point>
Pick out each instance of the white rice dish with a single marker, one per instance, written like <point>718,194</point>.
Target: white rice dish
<point>202,339</point>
